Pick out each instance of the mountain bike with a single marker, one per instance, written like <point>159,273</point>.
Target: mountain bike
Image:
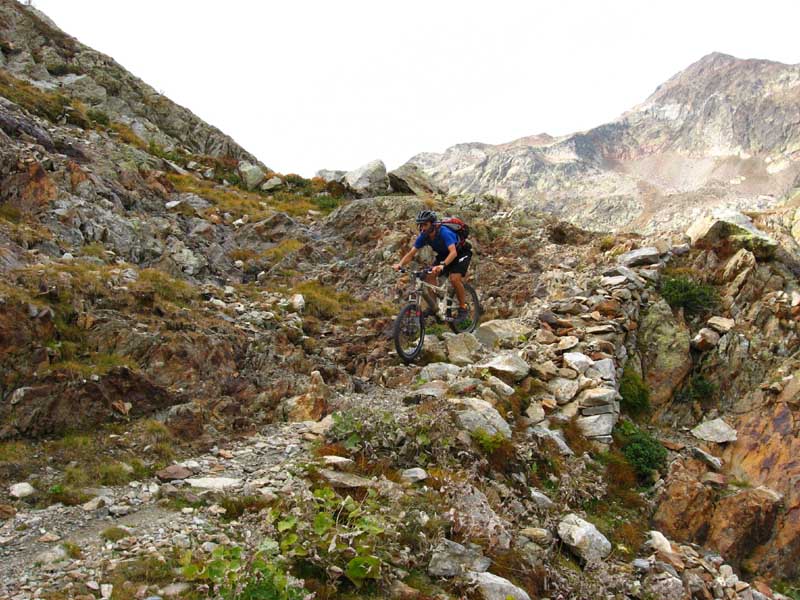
<point>409,326</point>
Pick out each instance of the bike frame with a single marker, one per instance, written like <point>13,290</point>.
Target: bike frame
<point>440,293</point>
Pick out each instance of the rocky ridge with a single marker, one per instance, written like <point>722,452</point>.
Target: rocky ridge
<point>723,132</point>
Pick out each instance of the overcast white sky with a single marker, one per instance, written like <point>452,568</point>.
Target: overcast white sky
<point>306,85</point>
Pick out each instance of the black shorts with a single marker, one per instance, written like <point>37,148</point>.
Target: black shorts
<point>459,265</point>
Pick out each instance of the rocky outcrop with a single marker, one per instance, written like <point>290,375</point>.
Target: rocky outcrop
<point>664,348</point>
<point>52,60</point>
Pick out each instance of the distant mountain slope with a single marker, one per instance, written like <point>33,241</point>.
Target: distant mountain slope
<point>724,130</point>
<point>33,48</point>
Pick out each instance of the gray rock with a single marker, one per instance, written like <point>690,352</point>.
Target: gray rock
<point>607,370</point>
<point>706,339</point>
<point>273,183</point>
<point>730,224</point>
<point>583,538</point>
<point>543,433</point>
<point>716,430</point>
<point>537,534</point>
<point>640,256</point>
<point>599,396</point>
<point>330,174</point>
<point>461,348</point>
<point>563,389</point>
<point>369,179</point>
<point>541,500</point>
<point>21,490</point>
<point>712,461</point>
<point>451,559</point>
<point>345,480</point>
<point>414,475</point>
<point>578,361</point>
<point>214,483</point>
<point>251,174</point>
<point>509,365</point>
<point>480,415</point>
<point>439,372</point>
<point>598,425</point>
<point>502,331</point>
<point>493,587</point>
<point>664,586</point>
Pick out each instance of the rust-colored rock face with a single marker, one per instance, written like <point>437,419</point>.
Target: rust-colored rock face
<point>30,189</point>
<point>767,452</point>
<point>686,502</point>
<point>742,521</point>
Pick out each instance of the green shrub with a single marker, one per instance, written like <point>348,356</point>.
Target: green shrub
<point>641,450</point>
<point>488,443</point>
<point>635,393</point>
<point>99,117</point>
<point>682,292</point>
<point>697,389</point>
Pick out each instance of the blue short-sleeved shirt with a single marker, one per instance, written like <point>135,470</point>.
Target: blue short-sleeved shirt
<point>444,237</point>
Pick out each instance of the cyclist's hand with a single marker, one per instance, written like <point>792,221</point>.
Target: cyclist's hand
<point>437,269</point>
<point>397,267</point>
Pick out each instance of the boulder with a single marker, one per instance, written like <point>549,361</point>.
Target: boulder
<point>461,348</point>
<point>684,503</point>
<point>330,175</point>
<point>706,339</point>
<point>578,361</point>
<point>639,257</point>
<point>734,229</point>
<point>273,183</point>
<point>439,372</point>
<point>716,430</point>
<point>479,415</point>
<point>500,331</point>
<point>21,490</point>
<point>598,425</point>
<point>369,179</point>
<point>563,389</point>
<point>584,539</point>
<point>414,475</point>
<point>507,366</point>
<point>410,179</point>
<point>493,587</point>
<point>451,559</point>
<point>251,175</point>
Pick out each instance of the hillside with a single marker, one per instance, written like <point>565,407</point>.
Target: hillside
<point>200,397</point>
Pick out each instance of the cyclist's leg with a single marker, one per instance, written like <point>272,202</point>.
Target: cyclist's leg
<point>456,273</point>
<point>426,293</point>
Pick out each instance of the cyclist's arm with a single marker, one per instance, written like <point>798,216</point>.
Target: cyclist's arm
<point>406,259</point>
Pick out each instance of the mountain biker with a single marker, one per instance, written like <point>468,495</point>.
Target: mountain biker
<point>450,260</point>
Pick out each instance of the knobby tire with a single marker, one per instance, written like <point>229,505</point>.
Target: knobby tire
<point>409,332</point>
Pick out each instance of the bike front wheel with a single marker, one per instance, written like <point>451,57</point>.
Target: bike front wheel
<point>409,332</point>
<point>469,324</point>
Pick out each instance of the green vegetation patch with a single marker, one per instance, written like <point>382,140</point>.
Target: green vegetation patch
<point>634,391</point>
<point>642,451</point>
<point>693,296</point>
<point>697,389</point>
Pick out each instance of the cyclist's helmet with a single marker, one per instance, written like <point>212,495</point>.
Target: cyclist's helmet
<point>426,216</point>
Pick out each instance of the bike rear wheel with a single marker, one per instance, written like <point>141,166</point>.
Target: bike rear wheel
<point>409,332</point>
<point>469,324</point>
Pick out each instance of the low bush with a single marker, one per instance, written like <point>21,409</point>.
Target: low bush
<point>635,393</point>
<point>641,450</point>
<point>693,296</point>
<point>697,389</point>
<point>99,117</point>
